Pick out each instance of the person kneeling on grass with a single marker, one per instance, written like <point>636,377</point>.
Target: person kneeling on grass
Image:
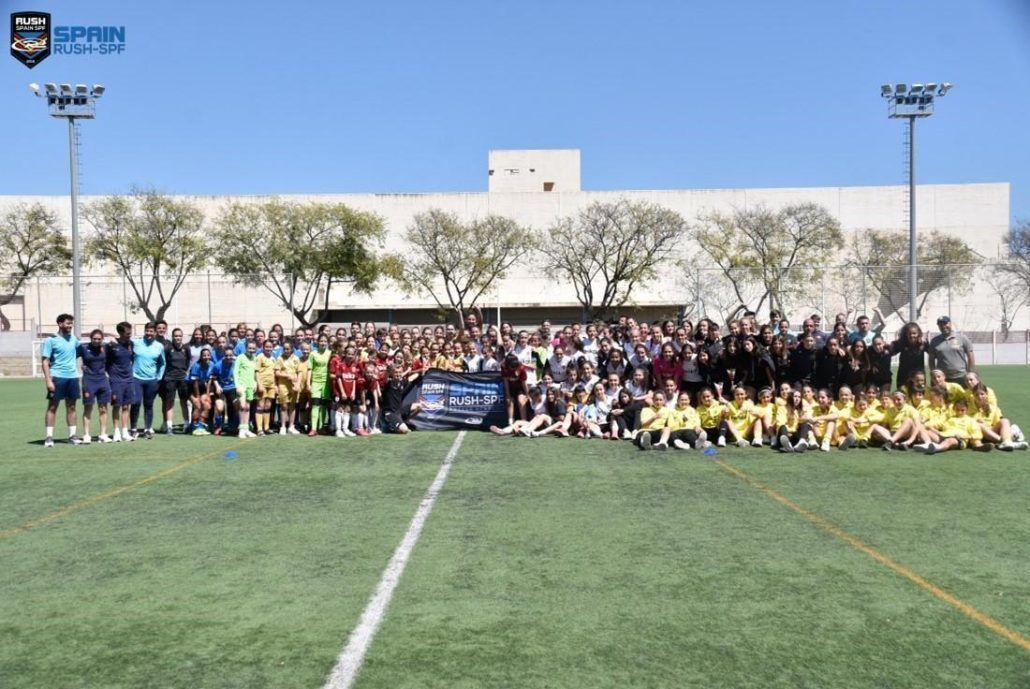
<point>653,421</point>
<point>395,414</point>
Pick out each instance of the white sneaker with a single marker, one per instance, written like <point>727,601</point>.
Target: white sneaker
<point>825,447</point>
<point>680,444</point>
<point>645,441</point>
<point>757,442</point>
<point>74,441</point>
<point>49,442</point>
<point>785,445</point>
<point>721,442</point>
<point>86,440</point>
<point>132,437</point>
<point>282,430</point>
<point>350,434</point>
<point>104,438</point>
<point>1021,445</point>
<point>701,441</point>
<point>627,435</point>
<point>117,437</point>
<point>801,446</point>
<point>340,434</point>
<point>742,443</point>
<point>376,431</point>
<point>293,431</point>
<point>1017,434</point>
<point>921,446</point>
<point>660,446</point>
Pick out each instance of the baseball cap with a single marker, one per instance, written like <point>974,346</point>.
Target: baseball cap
<point>944,319</point>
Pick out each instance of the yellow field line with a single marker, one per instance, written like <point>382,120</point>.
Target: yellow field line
<point>113,493</point>
<point>923,583</point>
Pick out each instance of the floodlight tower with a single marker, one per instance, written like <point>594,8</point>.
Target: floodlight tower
<point>910,102</point>
<point>73,104</point>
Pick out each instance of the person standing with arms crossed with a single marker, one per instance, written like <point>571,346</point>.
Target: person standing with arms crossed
<point>62,377</point>
<point>951,352</point>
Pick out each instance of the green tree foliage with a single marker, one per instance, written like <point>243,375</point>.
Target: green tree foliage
<point>156,241</point>
<point>455,262</point>
<point>944,262</point>
<point>298,250</point>
<point>31,243</point>
<point>608,250</point>
<point>761,251</point>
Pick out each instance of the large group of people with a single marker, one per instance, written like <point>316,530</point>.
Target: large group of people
<point>661,385</point>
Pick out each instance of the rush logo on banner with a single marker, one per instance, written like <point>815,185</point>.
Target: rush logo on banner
<point>457,400</point>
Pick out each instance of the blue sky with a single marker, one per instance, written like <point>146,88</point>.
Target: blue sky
<point>234,97</point>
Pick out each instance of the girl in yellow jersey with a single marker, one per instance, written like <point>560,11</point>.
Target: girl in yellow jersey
<point>264,374</point>
<point>995,427</point>
<point>872,395</point>
<point>653,419</point>
<point>792,431</point>
<point>955,391</point>
<point>288,382</point>
<point>712,414</point>
<point>959,431</point>
<point>684,426</point>
<point>742,423</point>
<point>764,412</point>
<point>823,420</point>
<point>808,397</point>
<point>860,424</point>
<point>933,415</point>
<point>844,405</point>
<point>900,423</point>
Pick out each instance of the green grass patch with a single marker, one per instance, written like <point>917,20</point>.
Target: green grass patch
<point>545,563</point>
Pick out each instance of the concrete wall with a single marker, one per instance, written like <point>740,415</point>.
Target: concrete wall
<point>979,213</point>
<point>548,170</point>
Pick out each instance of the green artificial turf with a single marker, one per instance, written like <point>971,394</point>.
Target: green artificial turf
<point>545,563</point>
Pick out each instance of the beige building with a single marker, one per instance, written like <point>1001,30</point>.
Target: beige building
<point>535,188</point>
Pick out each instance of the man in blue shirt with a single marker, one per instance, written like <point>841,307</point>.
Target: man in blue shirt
<point>61,374</point>
<point>148,366</point>
<point>96,390</point>
<point>123,389</point>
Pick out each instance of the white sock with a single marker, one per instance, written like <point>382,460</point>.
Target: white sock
<point>50,431</point>
<point>345,422</point>
<point>71,431</point>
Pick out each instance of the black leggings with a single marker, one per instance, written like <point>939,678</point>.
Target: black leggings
<point>655,437</point>
<point>719,432</point>
<point>687,435</point>
<point>800,434</point>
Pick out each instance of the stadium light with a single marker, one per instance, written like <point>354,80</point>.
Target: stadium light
<point>918,103</point>
<point>72,107</point>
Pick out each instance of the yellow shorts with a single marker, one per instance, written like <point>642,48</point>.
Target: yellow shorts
<point>287,394</point>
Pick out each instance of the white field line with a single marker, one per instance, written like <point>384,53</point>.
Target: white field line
<point>348,663</point>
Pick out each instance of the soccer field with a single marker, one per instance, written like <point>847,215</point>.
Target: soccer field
<point>544,563</point>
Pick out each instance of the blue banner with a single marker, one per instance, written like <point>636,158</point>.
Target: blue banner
<point>457,400</point>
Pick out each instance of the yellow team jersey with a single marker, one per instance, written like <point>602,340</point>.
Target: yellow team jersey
<point>861,423</point>
<point>991,416</point>
<point>440,362</point>
<point>264,370</point>
<point>935,417</point>
<point>894,417</point>
<point>289,367</point>
<point>682,418</point>
<point>660,418</point>
<point>710,415</point>
<point>787,417</point>
<point>956,391</point>
<point>961,427</point>
<point>820,426</point>
<point>764,411</point>
<point>303,374</point>
<point>740,415</point>
<point>875,404</point>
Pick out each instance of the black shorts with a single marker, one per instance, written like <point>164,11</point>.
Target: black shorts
<point>169,388</point>
<point>229,396</point>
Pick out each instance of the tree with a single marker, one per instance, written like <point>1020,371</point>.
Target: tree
<point>612,248</point>
<point>1012,293</point>
<point>770,249</point>
<point>944,262</point>
<point>297,251</point>
<point>455,262</point>
<point>31,244</point>
<point>1018,263</point>
<point>156,241</point>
